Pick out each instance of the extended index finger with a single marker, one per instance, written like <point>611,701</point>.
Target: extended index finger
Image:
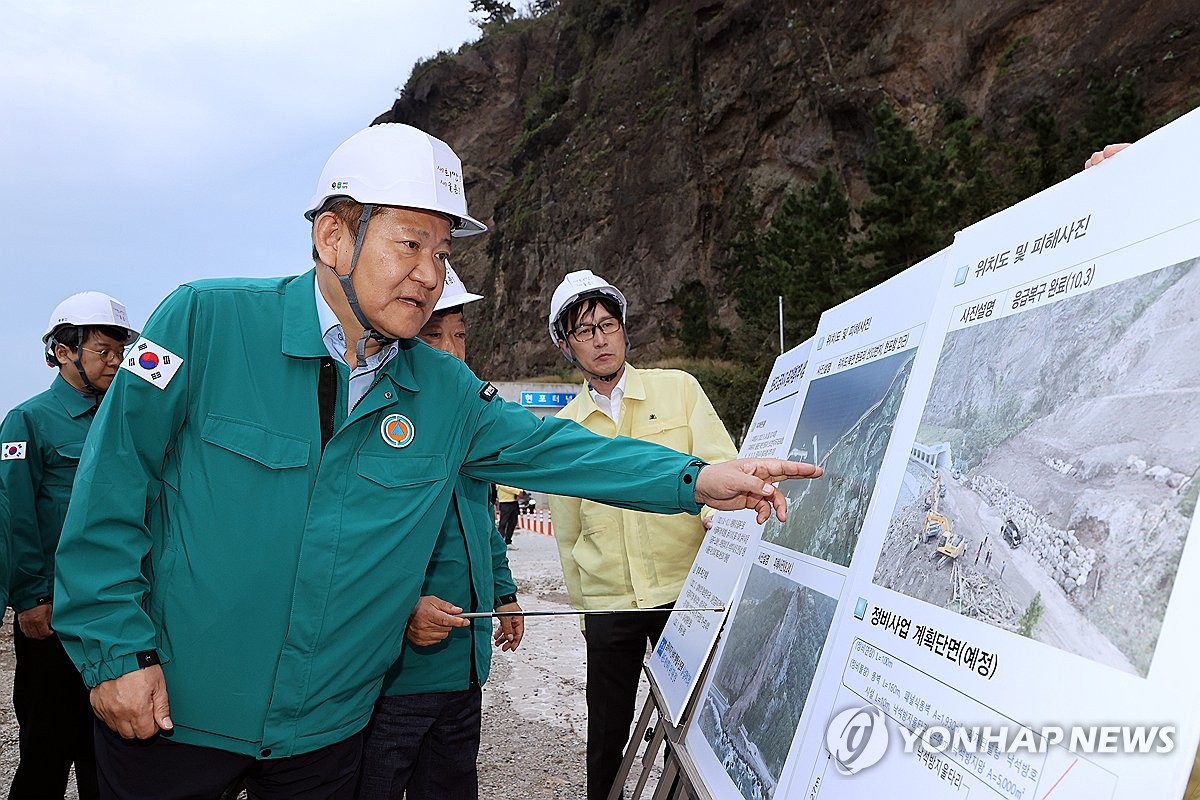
<point>777,469</point>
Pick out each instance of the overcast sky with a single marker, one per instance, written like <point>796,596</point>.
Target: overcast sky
<point>144,144</point>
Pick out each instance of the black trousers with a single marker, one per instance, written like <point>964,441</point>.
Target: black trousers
<point>616,649</point>
<point>423,747</point>
<point>55,716</point>
<point>508,520</point>
<point>159,769</point>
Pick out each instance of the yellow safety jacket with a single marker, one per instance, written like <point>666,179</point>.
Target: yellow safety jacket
<point>614,558</point>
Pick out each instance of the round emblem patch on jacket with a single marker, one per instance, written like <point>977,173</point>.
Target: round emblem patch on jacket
<point>397,430</point>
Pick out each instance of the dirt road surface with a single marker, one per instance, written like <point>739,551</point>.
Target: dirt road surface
<point>1062,625</point>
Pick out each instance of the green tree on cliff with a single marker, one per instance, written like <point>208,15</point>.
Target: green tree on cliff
<point>908,214</point>
<point>802,256</point>
<point>495,12</point>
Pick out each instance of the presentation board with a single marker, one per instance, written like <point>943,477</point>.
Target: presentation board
<point>988,593</point>
<point>688,638</point>
<point>771,653</point>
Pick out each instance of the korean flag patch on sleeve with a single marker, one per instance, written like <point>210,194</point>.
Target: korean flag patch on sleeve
<point>12,451</point>
<point>151,362</point>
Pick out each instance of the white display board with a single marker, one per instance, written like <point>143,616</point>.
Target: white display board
<point>988,594</point>
<point>688,638</point>
<point>1063,413</point>
<point>757,694</point>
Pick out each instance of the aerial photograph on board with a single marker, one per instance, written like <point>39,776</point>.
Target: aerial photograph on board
<point>753,706</point>
<point>1052,482</point>
<point>844,427</point>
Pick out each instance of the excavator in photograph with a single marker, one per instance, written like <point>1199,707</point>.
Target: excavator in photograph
<point>937,527</point>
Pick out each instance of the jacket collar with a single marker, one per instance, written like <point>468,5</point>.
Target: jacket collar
<point>400,368</point>
<point>635,389</point>
<point>301,329</point>
<point>75,403</point>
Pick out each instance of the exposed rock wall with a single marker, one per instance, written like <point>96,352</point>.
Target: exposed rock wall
<point>619,135</point>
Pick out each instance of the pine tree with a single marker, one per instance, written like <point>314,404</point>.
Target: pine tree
<point>976,191</point>
<point>1116,112</point>
<point>1050,157</point>
<point>803,257</point>
<point>907,218</point>
<point>495,12</point>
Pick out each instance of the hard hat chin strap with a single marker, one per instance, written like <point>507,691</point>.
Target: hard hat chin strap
<point>83,376</point>
<point>369,332</point>
<point>607,378</point>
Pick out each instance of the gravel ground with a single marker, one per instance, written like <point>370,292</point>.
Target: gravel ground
<point>534,710</point>
<point>534,718</point>
<point>8,720</point>
<point>534,714</point>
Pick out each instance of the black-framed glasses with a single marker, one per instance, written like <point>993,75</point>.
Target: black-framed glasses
<point>106,355</point>
<point>584,333</point>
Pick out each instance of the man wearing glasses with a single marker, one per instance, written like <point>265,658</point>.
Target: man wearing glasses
<point>42,440</point>
<point>614,558</point>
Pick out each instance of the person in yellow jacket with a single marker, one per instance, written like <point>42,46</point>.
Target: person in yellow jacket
<point>614,558</point>
<point>506,499</point>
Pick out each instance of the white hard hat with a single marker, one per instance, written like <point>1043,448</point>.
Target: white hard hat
<point>397,165</point>
<point>90,308</point>
<point>454,294</point>
<point>578,286</point>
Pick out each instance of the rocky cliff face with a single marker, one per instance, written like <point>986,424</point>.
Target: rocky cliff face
<point>621,135</point>
<point>1078,421</point>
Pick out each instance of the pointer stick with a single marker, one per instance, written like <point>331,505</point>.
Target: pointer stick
<point>587,611</point>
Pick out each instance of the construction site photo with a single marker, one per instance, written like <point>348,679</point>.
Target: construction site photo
<point>1052,482</point>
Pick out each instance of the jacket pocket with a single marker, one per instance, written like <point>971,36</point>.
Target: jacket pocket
<point>670,431</point>
<point>394,471</point>
<point>70,451</point>
<point>272,449</point>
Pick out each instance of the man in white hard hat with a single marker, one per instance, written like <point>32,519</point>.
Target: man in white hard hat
<point>616,558</point>
<point>264,485</point>
<point>42,440</point>
<point>423,740</point>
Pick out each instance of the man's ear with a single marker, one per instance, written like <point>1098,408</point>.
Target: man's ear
<point>63,354</point>
<point>327,238</point>
<point>566,348</point>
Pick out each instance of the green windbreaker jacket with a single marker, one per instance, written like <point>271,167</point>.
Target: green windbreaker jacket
<point>41,442</point>
<point>470,569</point>
<point>271,576</point>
